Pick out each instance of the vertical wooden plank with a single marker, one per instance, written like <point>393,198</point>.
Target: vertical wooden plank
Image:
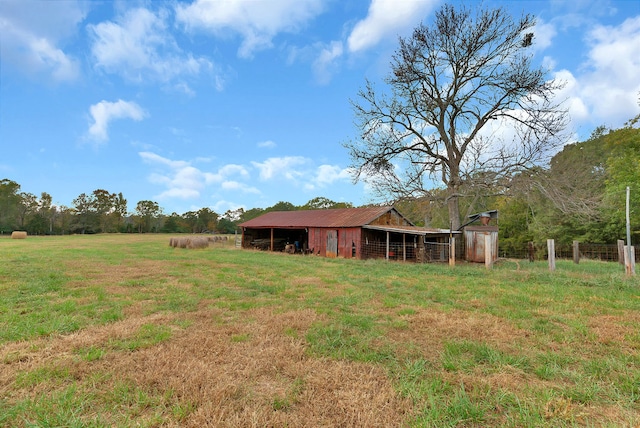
<point>551,250</point>
<point>621,251</point>
<point>576,252</point>
<point>488,251</point>
<point>404,247</point>
<point>387,250</point>
<point>271,242</point>
<point>630,260</point>
<point>452,251</point>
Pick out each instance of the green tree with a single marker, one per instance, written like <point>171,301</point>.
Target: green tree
<point>120,210</point>
<point>322,203</point>
<point>9,205</point>
<point>104,205</point>
<point>623,170</point>
<point>148,212</point>
<point>449,82</point>
<point>86,219</point>
<point>28,206</point>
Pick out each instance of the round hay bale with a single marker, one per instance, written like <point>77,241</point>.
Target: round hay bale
<point>18,234</point>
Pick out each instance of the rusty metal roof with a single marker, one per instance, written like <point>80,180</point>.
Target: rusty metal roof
<point>341,217</point>
<point>414,230</point>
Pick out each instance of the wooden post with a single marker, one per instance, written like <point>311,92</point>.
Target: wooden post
<point>551,250</point>
<point>271,242</point>
<point>387,256</point>
<point>576,252</point>
<point>621,251</point>
<point>531,252</point>
<point>488,252</point>
<point>630,260</point>
<point>404,247</point>
<point>452,251</point>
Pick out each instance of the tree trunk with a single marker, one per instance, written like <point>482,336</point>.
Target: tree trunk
<point>453,204</point>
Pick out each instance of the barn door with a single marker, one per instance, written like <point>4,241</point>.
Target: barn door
<point>332,243</point>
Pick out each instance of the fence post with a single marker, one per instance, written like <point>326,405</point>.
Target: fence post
<point>576,252</point>
<point>488,252</point>
<point>630,260</point>
<point>531,252</point>
<point>551,251</point>
<point>621,251</point>
<point>452,251</point>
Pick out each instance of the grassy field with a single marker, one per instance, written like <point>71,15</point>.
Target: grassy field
<point>122,330</point>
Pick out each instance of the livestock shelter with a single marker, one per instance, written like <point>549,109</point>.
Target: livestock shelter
<point>360,233</point>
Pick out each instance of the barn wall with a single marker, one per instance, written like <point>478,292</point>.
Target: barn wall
<point>474,242</point>
<point>391,218</point>
<point>347,237</point>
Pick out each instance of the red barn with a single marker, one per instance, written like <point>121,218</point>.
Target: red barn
<point>362,233</point>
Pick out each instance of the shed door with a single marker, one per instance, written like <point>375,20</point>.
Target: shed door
<point>332,243</point>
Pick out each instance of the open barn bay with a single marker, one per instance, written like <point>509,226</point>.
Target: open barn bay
<point>124,330</point>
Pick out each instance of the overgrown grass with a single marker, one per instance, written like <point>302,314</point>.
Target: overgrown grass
<point>513,346</point>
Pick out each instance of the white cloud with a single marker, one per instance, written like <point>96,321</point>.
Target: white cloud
<point>257,22</point>
<point>604,90</point>
<point>32,35</point>
<point>139,46</point>
<point>105,111</point>
<point>328,174</point>
<point>286,167</point>
<point>184,181</point>
<point>267,144</point>
<point>387,18</point>
<point>236,186</point>
<point>543,35</point>
<point>325,64</point>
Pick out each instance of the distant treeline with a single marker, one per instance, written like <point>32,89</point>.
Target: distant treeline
<point>580,195</point>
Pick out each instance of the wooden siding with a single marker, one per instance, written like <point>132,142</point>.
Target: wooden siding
<point>346,238</point>
<point>474,242</point>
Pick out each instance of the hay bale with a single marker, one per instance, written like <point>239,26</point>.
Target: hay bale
<point>18,234</point>
<point>190,242</point>
<point>198,243</point>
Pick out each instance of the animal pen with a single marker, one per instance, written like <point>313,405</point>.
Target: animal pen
<point>360,233</point>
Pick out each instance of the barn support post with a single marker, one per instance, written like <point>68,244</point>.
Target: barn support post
<point>387,252</point>
<point>271,241</point>
<point>576,252</point>
<point>621,251</point>
<point>404,247</point>
<point>551,251</point>
<point>488,252</point>
<point>452,251</point>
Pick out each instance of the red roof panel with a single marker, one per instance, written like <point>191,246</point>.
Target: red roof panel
<point>342,217</point>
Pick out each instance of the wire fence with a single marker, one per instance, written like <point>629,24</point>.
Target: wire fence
<point>436,252</point>
<point>603,252</point>
<point>429,252</point>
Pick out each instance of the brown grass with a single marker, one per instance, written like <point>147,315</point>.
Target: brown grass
<point>265,378</point>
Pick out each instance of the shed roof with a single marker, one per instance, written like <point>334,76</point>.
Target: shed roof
<point>341,217</point>
<point>414,230</point>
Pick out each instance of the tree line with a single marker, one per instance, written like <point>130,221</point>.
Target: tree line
<point>579,195</point>
<point>104,212</point>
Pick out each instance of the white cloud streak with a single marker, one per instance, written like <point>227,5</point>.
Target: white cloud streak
<point>256,22</point>
<point>32,35</point>
<point>387,18</point>
<point>105,111</point>
<point>139,46</point>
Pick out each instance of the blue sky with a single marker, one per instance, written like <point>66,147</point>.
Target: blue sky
<point>228,104</point>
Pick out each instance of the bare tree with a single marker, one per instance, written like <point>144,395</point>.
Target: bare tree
<point>465,104</point>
